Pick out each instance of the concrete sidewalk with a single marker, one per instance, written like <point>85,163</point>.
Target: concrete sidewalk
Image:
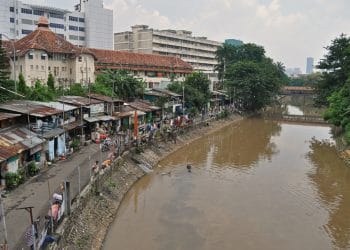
<point>35,192</point>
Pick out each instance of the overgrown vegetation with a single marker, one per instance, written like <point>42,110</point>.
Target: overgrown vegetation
<point>126,86</point>
<point>336,69</point>
<point>196,88</point>
<point>251,79</point>
<point>33,169</point>
<point>334,88</point>
<point>13,180</point>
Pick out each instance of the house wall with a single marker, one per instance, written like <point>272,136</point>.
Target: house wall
<point>66,70</point>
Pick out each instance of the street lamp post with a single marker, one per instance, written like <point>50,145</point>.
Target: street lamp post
<point>14,58</point>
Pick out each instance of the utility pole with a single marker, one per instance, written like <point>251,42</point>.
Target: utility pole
<point>30,211</point>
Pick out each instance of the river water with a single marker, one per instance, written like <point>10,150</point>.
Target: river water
<point>255,184</point>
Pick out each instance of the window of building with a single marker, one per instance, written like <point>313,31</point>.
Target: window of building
<point>49,68</point>
<point>71,27</point>
<point>26,32</point>
<point>12,9</point>
<point>43,56</point>
<point>73,18</point>
<point>70,71</point>
<point>82,20</point>
<point>30,55</point>
<point>72,37</point>
<point>82,29</point>
<point>38,12</point>
<point>12,20</point>
<point>61,35</point>
<point>56,25</point>
<point>56,15</point>
<point>80,59</point>
<point>82,38</point>
<point>26,11</point>
<point>27,21</point>
<point>31,67</point>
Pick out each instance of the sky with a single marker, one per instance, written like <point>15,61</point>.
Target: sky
<point>289,30</point>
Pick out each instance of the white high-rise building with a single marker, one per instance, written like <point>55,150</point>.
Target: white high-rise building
<point>197,51</point>
<point>89,25</point>
<point>309,65</point>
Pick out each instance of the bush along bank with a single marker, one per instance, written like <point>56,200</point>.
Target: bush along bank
<point>95,210</point>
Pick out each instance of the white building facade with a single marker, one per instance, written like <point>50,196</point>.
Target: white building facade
<point>90,25</point>
<point>197,51</point>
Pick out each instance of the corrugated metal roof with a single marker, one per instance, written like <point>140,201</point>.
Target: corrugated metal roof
<point>79,100</point>
<point>7,152</point>
<point>100,118</point>
<point>29,107</point>
<point>52,133</point>
<point>130,113</point>
<point>18,140</point>
<point>104,98</point>
<point>6,116</point>
<point>58,105</point>
<point>143,106</point>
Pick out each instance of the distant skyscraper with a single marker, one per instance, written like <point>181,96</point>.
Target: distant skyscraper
<point>234,42</point>
<point>309,65</point>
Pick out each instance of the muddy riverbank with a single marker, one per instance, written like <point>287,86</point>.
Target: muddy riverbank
<point>93,214</point>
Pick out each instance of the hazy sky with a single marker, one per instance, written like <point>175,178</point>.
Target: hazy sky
<point>290,30</point>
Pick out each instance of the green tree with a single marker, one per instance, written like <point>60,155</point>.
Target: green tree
<point>126,86</point>
<point>41,93</point>
<point>253,85</point>
<point>229,54</point>
<point>336,68</point>
<point>77,90</point>
<point>4,65</point>
<point>310,80</point>
<point>22,87</point>
<point>6,95</point>
<point>338,112</point>
<point>51,82</point>
<point>196,88</point>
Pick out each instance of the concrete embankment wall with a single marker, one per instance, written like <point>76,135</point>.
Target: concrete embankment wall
<point>94,212</point>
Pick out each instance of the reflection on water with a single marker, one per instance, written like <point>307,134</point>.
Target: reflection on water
<point>294,110</point>
<point>254,185</point>
<point>332,181</point>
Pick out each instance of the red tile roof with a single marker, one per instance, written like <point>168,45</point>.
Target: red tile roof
<point>114,59</point>
<point>45,39</point>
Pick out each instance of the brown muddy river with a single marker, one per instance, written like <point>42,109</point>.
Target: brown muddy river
<point>254,185</point>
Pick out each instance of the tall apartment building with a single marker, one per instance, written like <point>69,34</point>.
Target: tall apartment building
<point>89,25</point>
<point>199,52</point>
<point>309,65</point>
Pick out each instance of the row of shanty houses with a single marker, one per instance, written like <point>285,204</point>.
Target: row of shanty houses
<point>44,131</point>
